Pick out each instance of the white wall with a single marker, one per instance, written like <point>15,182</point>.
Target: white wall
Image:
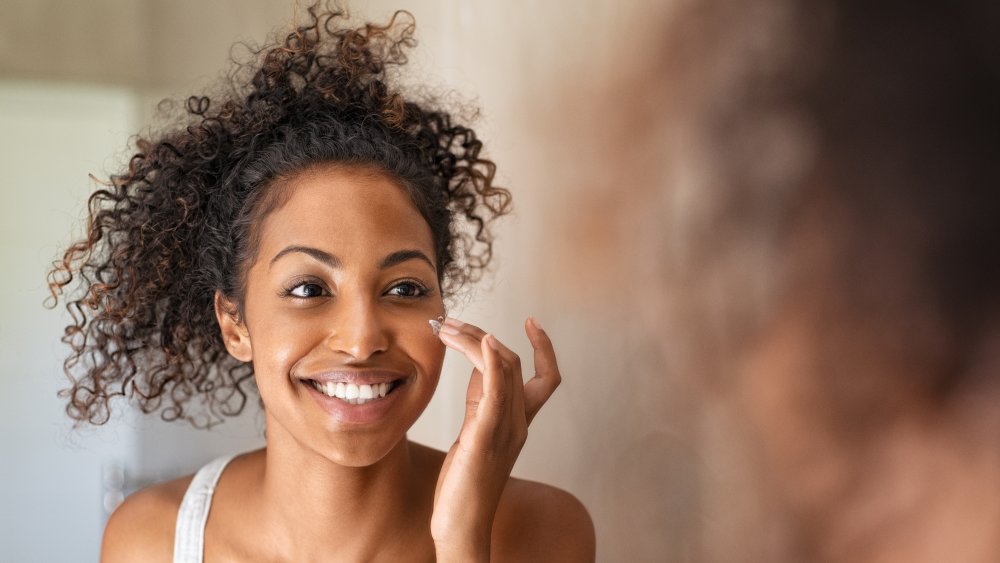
<point>57,481</point>
<point>51,506</point>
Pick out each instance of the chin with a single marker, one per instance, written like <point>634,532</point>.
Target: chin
<point>349,435</point>
<point>360,450</point>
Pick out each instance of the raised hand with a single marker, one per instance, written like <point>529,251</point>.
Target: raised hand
<point>499,407</point>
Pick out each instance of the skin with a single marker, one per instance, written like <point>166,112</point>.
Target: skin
<point>327,490</point>
<point>920,485</point>
<point>924,487</point>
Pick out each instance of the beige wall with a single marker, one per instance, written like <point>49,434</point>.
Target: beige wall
<point>99,41</point>
<point>569,92</point>
<point>147,43</point>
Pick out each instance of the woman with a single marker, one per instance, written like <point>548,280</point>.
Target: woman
<point>304,230</point>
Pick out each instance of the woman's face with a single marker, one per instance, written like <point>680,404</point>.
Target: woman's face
<point>337,303</point>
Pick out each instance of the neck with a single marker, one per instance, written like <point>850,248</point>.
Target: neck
<point>320,506</point>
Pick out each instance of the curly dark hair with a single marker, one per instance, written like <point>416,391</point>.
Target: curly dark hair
<point>179,223</point>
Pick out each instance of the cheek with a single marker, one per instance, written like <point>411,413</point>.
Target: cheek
<point>431,357</point>
<point>418,340</point>
<point>414,338</point>
<point>280,341</point>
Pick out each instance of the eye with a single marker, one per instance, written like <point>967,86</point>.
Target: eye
<point>409,289</point>
<point>305,290</point>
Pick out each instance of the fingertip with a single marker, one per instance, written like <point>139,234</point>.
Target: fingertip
<point>491,350</point>
<point>492,342</point>
<point>443,336</point>
<point>536,334</point>
<point>491,356</point>
<point>448,339</point>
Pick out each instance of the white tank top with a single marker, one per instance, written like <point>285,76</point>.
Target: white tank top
<point>189,535</point>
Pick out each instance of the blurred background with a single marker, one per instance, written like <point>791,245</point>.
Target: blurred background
<point>624,433</point>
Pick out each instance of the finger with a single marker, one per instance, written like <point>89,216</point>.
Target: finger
<point>517,409</point>
<point>495,396</point>
<point>510,426</point>
<point>474,391</point>
<point>464,327</point>
<point>547,377</point>
<point>467,345</point>
<point>513,384</point>
<point>467,338</point>
<point>473,398</point>
<point>514,380</point>
<point>470,340</point>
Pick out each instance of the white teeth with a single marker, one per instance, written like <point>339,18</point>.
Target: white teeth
<point>353,393</point>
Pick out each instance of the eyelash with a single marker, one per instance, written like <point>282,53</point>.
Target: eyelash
<point>287,291</point>
<point>421,289</point>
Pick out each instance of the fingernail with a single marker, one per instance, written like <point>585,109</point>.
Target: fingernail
<point>453,322</point>
<point>492,341</point>
<point>448,329</point>
<point>535,323</point>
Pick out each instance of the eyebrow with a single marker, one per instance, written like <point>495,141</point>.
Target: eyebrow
<point>320,255</point>
<point>401,256</point>
<point>332,261</point>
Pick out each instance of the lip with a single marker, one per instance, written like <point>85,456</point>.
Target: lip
<point>346,413</point>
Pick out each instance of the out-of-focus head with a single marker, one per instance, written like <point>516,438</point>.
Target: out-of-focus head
<point>844,259</point>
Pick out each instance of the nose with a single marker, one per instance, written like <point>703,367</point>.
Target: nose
<point>358,330</point>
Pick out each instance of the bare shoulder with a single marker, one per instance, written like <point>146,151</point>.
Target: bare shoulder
<point>534,521</point>
<point>538,522</point>
<point>142,527</point>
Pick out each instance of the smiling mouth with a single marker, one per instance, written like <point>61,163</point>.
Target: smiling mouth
<point>355,394</point>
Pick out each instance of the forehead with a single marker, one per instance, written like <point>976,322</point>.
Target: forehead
<point>347,211</point>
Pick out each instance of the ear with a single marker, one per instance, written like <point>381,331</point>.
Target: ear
<point>234,331</point>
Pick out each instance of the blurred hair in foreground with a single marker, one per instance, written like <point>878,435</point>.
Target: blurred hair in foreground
<point>841,271</point>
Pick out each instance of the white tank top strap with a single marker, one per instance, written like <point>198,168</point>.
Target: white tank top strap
<point>189,535</point>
